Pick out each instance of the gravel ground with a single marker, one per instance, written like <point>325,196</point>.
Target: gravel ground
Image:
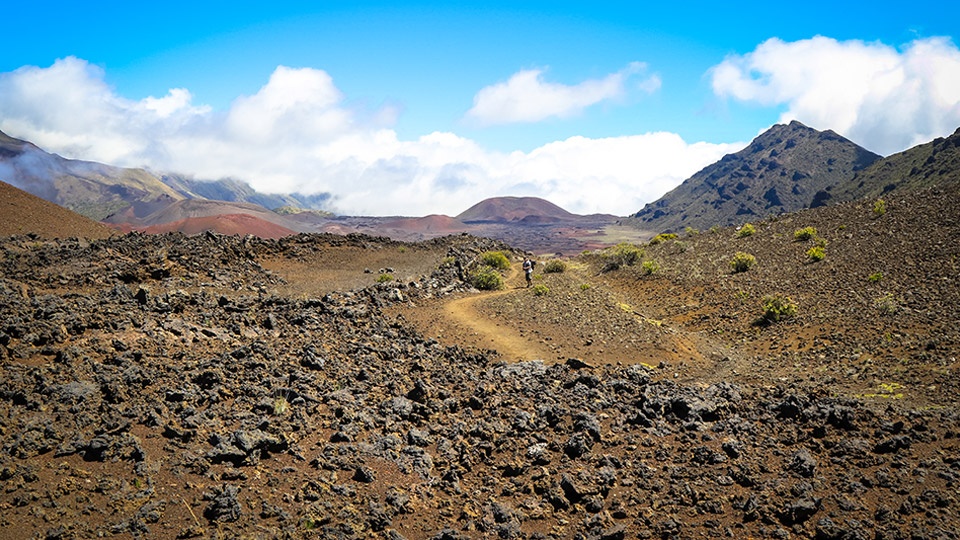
<point>223,387</point>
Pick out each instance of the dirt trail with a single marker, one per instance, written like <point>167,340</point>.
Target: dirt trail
<point>506,338</point>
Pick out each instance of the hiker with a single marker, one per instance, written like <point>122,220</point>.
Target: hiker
<point>528,270</point>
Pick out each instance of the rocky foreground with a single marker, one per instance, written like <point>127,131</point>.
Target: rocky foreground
<point>160,386</point>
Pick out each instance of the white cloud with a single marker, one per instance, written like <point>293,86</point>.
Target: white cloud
<point>526,97</point>
<point>297,134</point>
<point>885,99</point>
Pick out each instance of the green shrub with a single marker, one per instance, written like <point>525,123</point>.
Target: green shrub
<point>384,278</point>
<point>816,253</point>
<point>690,231</point>
<point>887,304</point>
<point>622,254</point>
<point>280,405</point>
<point>649,267</point>
<point>487,278</point>
<point>875,277</point>
<point>540,289</point>
<point>742,262</point>
<point>879,208</point>
<point>746,230</point>
<point>584,286</point>
<point>495,259</point>
<point>554,266</point>
<point>777,307</point>
<point>805,233</point>
<point>715,229</point>
<point>661,238</point>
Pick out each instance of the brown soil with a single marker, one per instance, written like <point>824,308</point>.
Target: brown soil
<point>22,213</point>
<point>225,387</point>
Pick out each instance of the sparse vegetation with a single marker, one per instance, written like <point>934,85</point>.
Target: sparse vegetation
<point>495,259</point>
<point>879,208</point>
<point>816,253</point>
<point>385,278</point>
<point>887,304</point>
<point>747,230</point>
<point>875,277</point>
<point>554,266</point>
<point>540,289</point>
<point>486,278</point>
<point>649,267</point>
<point>777,307</point>
<point>690,231</point>
<point>661,238</point>
<point>620,255</point>
<point>584,286</point>
<point>280,405</point>
<point>742,262</point>
<point>805,233</point>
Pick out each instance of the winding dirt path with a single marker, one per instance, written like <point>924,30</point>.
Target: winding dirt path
<point>509,340</point>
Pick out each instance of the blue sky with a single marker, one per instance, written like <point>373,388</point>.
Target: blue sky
<point>425,107</point>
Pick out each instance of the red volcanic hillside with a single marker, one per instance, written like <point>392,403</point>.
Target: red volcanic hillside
<point>432,224</point>
<point>239,224</point>
<point>513,209</point>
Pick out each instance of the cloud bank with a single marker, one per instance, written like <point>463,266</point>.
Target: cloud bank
<point>297,133</point>
<point>526,97</point>
<point>884,99</point>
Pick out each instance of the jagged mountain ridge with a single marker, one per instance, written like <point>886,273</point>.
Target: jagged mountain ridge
<point>924,165</point>
<point>91,189</point>
<point>787,168</point>
<point>105,192</point>
<point>231,190</point>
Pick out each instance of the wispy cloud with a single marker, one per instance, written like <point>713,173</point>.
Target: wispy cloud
<point>298,133</point>
<point>527,97</point>
<point>882,98</point>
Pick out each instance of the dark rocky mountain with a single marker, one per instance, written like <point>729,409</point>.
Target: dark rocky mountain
<point>925,165</point>
<point>787,168</point>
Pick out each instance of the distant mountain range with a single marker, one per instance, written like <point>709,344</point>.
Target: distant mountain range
<point>787,168</point>
<point>102,192</point>
<point>792,167</point>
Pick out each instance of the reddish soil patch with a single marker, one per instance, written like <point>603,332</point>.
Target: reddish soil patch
<point>241,224</point>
